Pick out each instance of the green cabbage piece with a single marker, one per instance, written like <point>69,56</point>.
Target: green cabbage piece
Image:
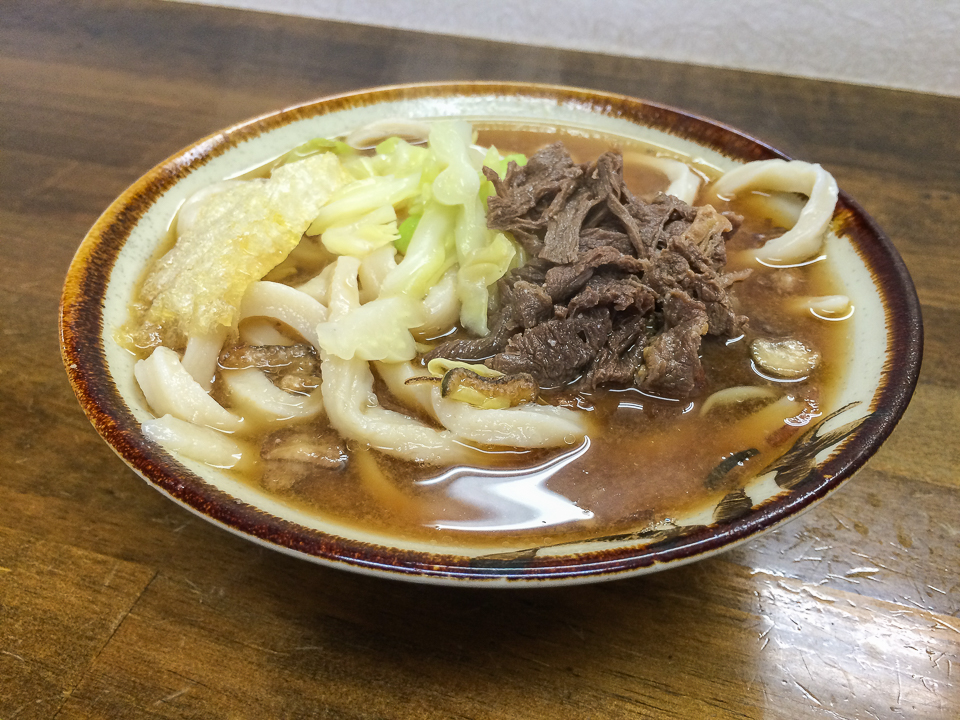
<point>443,192</point>
<point>360,197</point>
<point>459,182</point>
<point>395,156</point>
<point>481,270</point>
<point>430,253</point>
<point>360,238</point>
<point>378,330</point>
<point>484,256</point>
<point>405,231</point>
<point>314,147</point>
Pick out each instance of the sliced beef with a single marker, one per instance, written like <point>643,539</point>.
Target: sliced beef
<point>619,360</point>
<point>707,233</point>
<point>561,243</point>
<point>659,220</point>
<point>563,281</point>
<point>534,271</point>
<point>527,196</point>
<point>617,290</point>
<point>672,360</point>
<point>531,302</point>
<point>596,237</point>
<point>470,350</point>
<point>682,265</point>
<point>554,352</point>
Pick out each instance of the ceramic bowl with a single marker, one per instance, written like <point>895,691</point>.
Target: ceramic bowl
<point>882,371</point>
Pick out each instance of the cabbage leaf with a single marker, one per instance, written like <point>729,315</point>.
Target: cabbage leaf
<point>378,330</point>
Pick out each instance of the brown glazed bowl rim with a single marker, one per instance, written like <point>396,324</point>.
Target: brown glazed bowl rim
<point>82,349</point>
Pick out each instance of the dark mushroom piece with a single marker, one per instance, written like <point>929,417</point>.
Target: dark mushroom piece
<point>294,368</point>
<point>294,453</point>
<point>787,359</point>
<point>489,392</point>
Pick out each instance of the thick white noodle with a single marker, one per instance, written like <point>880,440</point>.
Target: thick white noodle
<point>353,411</point>
<point>373,269</point>
<point>804,240</point>
<point>415,395</point>
<point>170,390</point>
<point>524,426</point>
<point>352,407</point>
<point>252,393</point>
<point>200,357</point>
<point>260,331</point>
<point>344,290</point>
<point>441,306</point>
<point>775,415</point>
<point>736,395</point>
<point>318,287</point>
<point>198,443</point>
<point>684,182</point>
<point>287,304</point>
<point>379,130</point>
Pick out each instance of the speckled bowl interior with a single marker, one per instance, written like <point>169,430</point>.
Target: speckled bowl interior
<point>880,376</point>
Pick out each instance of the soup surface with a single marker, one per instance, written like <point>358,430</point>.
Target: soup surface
<point>647,458</point>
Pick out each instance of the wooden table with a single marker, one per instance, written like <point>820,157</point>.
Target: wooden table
<point>114,602</point>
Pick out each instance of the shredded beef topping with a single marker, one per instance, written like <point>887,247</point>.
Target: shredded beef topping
<point>555,349</point>
<point>617,290</point>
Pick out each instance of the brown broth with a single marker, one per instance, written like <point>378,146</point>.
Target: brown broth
<point>650,458</point>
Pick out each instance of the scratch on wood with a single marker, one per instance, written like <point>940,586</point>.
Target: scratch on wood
<point>265,650</point>
<point>913,602</point>
<point>924,680</point>
<point>940,622</point>
<point>862,572</point>
<point>841,577</point>
<point>839,521</point>
<point>172,696</point>
<point>68,691</point>
<point>113,573</point>
<point>809,694</point>
<point>899,684</point>
<point>817,596</point>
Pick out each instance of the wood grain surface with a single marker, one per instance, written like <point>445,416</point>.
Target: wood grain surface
<point>116,603</point>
